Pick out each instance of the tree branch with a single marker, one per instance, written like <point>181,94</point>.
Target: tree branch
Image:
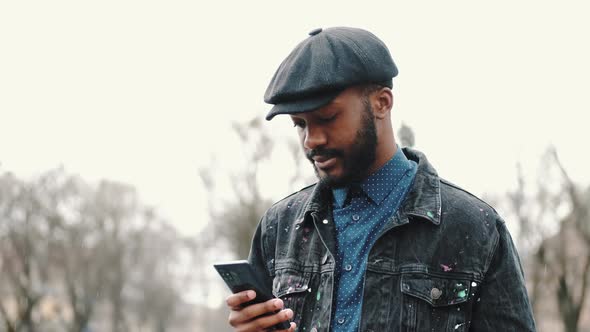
<point>584,289</point>
<point>10,327</point>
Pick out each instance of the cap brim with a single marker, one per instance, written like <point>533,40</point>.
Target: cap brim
<point>302,105</point>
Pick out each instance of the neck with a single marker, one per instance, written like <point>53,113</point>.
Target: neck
<point>386,149</point>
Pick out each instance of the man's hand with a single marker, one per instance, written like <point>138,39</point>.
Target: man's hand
<point>247,319</point>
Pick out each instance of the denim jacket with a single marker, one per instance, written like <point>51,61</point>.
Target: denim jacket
<point>444,262</point>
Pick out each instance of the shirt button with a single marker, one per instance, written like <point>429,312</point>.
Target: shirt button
<point>341,320</point>
<point>348,267</point>
<point>356,217</point>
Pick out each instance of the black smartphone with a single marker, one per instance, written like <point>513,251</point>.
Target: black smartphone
<point>240,276</point>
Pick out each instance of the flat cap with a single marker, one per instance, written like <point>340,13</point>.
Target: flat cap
<point>323,65</point>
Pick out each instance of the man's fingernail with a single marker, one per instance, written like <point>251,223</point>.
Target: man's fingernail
<point>251,294</point>
<point>288,313</point>
<point>278,304</point>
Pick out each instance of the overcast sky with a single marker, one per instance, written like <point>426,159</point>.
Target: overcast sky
<point>144,92</point>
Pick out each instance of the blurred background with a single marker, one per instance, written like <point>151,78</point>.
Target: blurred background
<point>134,154</point>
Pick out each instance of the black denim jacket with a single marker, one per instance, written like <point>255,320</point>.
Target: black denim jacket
<point>444,262</point>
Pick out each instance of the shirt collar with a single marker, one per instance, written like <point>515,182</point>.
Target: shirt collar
<point>379,184</point>
<point>340,196</point>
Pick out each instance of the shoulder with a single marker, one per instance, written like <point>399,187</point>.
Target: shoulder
<point>296,201</point>
<point>459,199</point>
<point>281,214</point>
<point>470,221</point>
<point>465,213</point>
<point>299,197</point>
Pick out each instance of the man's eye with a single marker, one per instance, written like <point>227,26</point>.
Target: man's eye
<point>300,124</point>
<point>327,119</point>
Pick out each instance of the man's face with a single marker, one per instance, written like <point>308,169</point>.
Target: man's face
<point>339,139</point>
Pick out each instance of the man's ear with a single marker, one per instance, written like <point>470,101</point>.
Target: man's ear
<point>382,102</point>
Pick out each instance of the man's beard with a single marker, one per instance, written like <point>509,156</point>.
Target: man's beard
<point>357,162</point>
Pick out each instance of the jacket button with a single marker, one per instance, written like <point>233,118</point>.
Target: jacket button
<point>325,221</point>
<point>435,293</point>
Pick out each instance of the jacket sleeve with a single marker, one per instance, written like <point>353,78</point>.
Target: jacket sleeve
<point>258,251</point>
<point>502,303</point>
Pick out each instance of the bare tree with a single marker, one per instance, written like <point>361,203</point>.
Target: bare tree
<point>406,136</point>
<point>236,220</point>
<point>82,248</point>
<point>573,252</point>
<point>556,244</point>
<point>25,267</point>
<point>159,295</point>
<point>66,254</point>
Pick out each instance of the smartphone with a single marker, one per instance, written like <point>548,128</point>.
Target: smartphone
<point>240,276</point>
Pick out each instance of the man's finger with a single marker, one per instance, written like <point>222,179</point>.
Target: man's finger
<point>266,322</point>
<point>255,310</point>
<point>291,329</point>
<point>249,313</point>
<point>235,300</point>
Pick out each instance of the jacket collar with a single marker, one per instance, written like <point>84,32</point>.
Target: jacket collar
<point>423,199</point>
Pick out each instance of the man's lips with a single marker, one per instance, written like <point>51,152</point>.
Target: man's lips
<point>324,162</point>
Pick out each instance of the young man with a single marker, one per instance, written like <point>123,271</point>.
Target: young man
<point>381,242</point>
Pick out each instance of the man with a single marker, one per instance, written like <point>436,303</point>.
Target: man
<point>381,242</point>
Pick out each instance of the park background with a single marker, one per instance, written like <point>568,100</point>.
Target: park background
<point>133,150</point>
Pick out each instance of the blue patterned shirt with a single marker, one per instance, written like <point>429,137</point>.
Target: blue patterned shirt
<point>360,212</point>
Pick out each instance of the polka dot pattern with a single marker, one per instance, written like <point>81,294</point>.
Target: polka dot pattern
<point>360,213</point>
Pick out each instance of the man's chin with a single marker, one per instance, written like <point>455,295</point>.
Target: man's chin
<point>333,177</point>
<point>333,181</point>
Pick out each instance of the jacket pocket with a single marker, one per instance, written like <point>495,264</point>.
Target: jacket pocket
<point>293,288</point>
<point>435,303</point>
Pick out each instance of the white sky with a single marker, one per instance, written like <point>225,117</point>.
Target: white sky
<point>144,92</point>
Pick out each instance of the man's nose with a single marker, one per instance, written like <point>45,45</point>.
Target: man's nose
<point>314,137</point>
